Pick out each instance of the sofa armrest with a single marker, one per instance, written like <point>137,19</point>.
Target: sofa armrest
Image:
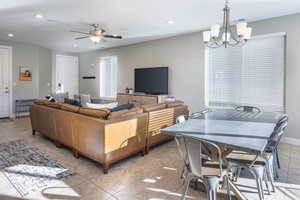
<point>125,136</point>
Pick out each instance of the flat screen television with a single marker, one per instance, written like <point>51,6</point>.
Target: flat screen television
<point>151,80</point>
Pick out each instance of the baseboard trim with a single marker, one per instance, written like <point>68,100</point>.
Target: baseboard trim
<point>22,114</point>
<point>290,140</point>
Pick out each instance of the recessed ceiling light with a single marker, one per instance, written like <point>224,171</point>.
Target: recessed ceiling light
<point>39,16</point>
<point>170,22</point>
<point>10,35</point>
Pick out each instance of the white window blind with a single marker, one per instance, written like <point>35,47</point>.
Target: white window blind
<point>108,76</point>
<point>249,75</point>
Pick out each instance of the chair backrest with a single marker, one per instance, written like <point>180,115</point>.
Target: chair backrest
<point>179,141</point>
<point>200,113</point>
<point>84,99</point>
<point>196,154</point>
<point>283,118</point>
<point>248,109</point>
<point>180,119</point>
<point>277,133</point>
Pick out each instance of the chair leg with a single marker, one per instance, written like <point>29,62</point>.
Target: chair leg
<point>277,157</point>
<point>270,172</point>
<point>228,188</point>
<point>212,187</point>
<point>266,182</point>
<point>186,187</point>
<point>258,174</point>
<point>238,173</point>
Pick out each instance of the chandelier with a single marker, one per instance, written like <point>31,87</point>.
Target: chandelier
<point>224,36</point>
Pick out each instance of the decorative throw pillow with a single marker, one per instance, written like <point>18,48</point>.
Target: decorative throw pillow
<point>50,98</point>
<point>72,102</point>
<point>122,107</point>
<point>99,106</point>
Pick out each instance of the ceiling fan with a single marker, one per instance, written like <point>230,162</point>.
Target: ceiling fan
<point>96,34</point>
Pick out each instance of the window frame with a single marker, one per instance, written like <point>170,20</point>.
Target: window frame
<point>206,69</point>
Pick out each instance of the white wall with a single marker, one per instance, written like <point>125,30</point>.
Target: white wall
<point>185,57</point>
<point>39,61</point>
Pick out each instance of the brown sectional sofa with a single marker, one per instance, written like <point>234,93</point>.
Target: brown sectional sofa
<point>103,136</point>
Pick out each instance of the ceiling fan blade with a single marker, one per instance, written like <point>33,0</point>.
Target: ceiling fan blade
<point>80,32</point>
<point>79,38</point>
<point>113,36</point>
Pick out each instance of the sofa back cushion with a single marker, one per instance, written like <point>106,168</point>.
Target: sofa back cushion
<point>175,103</point>
<point>123,113</point>
<point>41,102</point>
<point>98,113</point>
<point>153,107</point>
<point>68,107</point>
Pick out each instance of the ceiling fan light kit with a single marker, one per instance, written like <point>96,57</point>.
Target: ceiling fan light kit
<point>96,35</point>
<point>219,36</point>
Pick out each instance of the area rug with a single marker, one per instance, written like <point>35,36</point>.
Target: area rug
<point>28,169</point>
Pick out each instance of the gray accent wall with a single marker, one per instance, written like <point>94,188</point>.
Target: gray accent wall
<point>39,61</point>
<point>185,57</point>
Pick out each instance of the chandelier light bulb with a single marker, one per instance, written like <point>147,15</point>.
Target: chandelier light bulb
<point>248,33</point>
<point>215,30</point>
<point>241,28</point>
<point>224,38</point>
<point>206,36</point>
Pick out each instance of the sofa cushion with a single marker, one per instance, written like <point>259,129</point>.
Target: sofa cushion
<point>99,113</point>
<point>175,104</point>
<point>53,104</point>
<point>40,101</point>
<point>153,107</point>
<point>123,113</point>
<point>68,107</point>
<point>122,107</point>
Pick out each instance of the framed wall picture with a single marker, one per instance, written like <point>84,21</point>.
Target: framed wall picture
<point>25,73</point>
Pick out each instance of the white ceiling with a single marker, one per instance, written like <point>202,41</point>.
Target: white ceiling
<point>136,20</point>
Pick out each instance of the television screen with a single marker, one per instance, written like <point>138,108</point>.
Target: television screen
<point>151,80</point>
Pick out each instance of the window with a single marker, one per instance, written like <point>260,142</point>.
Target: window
<point>249,75</point>
<point>108,76</point>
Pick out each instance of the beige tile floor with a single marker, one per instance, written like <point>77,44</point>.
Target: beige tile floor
<point>152,177</point>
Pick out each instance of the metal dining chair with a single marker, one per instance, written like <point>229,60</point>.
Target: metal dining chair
<point>274,142</point>
<point>262,167</point>
<point>199,114</point>
<point>248,109</point>
<point>211,177</point>
<point>257,165</point>
<point>178,137</point>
